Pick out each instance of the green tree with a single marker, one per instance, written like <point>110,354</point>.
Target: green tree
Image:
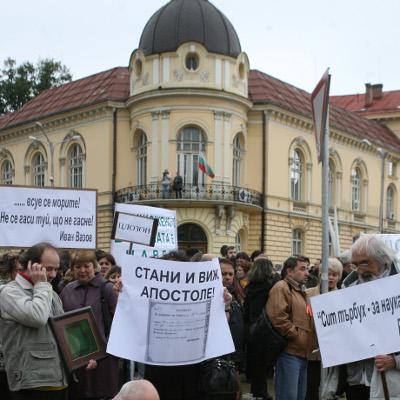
<point>20,83</point>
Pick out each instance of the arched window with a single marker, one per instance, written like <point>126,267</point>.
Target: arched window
<point>75,162</point>
<point>237,159</point>
<point>332,193</point>
<point>191,143</point>
<point>356,179</point>
<point>6,173</point>
<point>297,175</point>
<point>390,203</point>
<point>38,169</point>
<point>297,242</point>
<point>141,159</point>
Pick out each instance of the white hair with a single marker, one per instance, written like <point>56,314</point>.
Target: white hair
<point>375,248</point>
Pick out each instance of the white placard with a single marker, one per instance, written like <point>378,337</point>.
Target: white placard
<point>170,313</point>
<point>63,217</point>
<point>359,322</point>
<point>166,237</point>
<point>134,229</point>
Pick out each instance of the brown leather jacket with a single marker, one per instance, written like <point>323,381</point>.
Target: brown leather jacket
<point>287,310</point>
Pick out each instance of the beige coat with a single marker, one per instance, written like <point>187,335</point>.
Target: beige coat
<point>287,310</point>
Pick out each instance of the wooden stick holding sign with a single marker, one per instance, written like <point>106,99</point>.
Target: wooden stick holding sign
<point>385,386</point>
<point>134,229</point>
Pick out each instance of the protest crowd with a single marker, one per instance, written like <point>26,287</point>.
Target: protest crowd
<point>43,282</point>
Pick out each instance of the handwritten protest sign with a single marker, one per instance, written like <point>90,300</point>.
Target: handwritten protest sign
<point>66,218</point>
<point>170,313</point>
<point>166,237</point>
<point>359,322</point>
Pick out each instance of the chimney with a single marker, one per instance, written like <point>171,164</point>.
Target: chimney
<point>368,95</point>
<point>377,91</point>
<point>373,92</point>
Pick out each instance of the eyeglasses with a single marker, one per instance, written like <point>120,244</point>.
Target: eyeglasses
<point>361,264</point>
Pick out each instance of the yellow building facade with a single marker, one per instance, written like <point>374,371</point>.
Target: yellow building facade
<point>191,92</point>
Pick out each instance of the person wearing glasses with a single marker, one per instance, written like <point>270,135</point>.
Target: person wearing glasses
<point>372,260</point>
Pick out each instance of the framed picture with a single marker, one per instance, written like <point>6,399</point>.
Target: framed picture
<point>78,338</point>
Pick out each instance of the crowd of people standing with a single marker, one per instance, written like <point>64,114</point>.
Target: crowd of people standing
<point>43,282</point>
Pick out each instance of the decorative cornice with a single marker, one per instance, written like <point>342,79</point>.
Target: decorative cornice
<point>60,120</point>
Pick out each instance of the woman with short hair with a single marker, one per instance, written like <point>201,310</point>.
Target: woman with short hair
<point>90,289</point>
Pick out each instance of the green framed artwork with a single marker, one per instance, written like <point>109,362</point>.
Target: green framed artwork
<point>78,338</point>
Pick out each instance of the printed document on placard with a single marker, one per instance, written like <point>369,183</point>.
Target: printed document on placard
<point>170,313</point>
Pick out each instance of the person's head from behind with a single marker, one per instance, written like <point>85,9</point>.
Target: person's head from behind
<point>223,250</point>
<point>227,272</point>
<point>261,271</point>
<point>84,265</point>
<point>138,390</point>
<point>9,266</point>
<point>345,259</point>
<point>44,254</point>
<point>296,268</point>
<point>105,261</point>
<point>371,258</point>
<point>255,254</point>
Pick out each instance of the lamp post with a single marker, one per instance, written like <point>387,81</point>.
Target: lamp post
<point>52,146</point>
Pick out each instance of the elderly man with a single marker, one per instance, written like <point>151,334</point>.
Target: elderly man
<point>32,360</point>
<point>373,260</point>
<point>138,390</point>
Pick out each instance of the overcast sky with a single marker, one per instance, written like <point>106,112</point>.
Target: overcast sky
<point>293,40</point>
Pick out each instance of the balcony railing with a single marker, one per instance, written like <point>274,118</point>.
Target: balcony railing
<point>214,192</point>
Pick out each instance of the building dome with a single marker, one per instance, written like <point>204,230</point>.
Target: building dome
<point>182,21</point>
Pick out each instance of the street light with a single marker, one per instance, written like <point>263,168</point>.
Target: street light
<point>52,146</point>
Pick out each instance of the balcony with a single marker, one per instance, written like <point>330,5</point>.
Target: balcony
<point>215,193</point>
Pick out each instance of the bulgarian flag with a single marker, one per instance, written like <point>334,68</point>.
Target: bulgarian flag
<point>203,166</point>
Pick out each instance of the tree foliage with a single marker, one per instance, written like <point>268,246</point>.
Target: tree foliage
<point>20,83</point>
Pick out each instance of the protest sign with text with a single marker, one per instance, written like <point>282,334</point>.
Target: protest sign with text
<point>66,218</point>
<point>134,229</point>
<point>170,313</point>
<point>166,236</point>
<point>359,322</point>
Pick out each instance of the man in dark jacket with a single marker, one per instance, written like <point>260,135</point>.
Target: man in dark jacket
<point>177,185</point>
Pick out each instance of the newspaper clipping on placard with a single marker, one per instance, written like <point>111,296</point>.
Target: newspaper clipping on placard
<point>63,217</point>
<point>170,313</point>
<point>359,322</point>
<point>166,237</point>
